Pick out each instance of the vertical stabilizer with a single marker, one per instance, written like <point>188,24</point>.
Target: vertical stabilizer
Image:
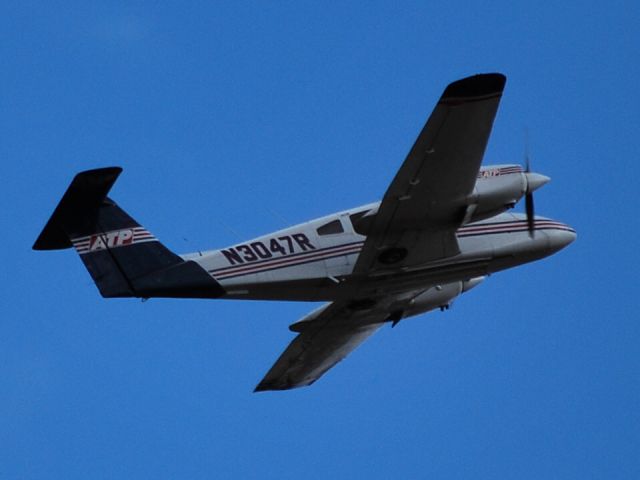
<point>123,258</point>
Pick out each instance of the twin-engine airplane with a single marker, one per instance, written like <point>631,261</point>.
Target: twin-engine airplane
<point>440,228</point>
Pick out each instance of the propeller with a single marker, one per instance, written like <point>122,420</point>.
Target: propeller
<point>528,198</point>
<point>534,181</point>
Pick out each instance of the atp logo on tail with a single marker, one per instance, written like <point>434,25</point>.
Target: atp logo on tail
<point>112,239</point>
<point>119,238</point>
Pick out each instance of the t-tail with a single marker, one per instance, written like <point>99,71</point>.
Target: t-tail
<point>123,258</point>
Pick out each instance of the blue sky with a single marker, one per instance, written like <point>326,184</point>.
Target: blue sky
<point>235,119</point>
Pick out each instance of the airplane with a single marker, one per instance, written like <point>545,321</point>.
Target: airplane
<point>441,228</point>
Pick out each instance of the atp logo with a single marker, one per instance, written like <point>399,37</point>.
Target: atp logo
<point>118,238</point>
<point>494,172</point>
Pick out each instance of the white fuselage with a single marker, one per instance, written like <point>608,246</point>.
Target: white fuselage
<point>314,260</point>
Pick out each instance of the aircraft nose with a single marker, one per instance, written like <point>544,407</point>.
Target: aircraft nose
<point>560,237</point>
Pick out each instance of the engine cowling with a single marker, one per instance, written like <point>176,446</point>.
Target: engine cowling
<point>439,296</point>
<point>499,189</point>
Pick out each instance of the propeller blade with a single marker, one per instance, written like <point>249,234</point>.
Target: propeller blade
<point>528,199</point>
<point>528,206</point>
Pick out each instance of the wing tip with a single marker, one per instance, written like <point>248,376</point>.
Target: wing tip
<point>482,85</point>
<point>265,385</point>
<point>261,388</point>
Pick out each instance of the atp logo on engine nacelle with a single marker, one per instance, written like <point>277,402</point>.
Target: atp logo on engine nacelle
<point>118,238</point>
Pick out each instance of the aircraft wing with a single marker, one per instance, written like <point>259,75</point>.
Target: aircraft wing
<point>322,342</point>
<point>414,224</point>
<point>426,201</point>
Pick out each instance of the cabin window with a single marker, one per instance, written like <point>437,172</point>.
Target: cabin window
<point>361,225</point>
<point>331,228</point>
<point>357,216</point>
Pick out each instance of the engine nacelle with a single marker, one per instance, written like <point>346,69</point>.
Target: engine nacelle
<point>439,296</point>
<point>498,189</point>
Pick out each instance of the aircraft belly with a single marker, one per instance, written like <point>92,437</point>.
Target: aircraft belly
<point>296,272</point>
<point>336,266</point>
<point>340,266</point>
<point>305,290</point>
<point>429,276</point>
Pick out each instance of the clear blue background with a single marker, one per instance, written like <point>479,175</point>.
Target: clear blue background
<point>235,119</point>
